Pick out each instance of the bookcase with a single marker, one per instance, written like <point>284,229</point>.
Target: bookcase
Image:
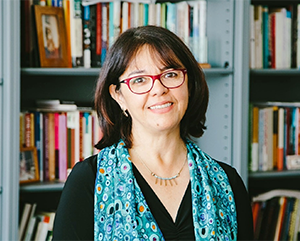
<point>280,85</point>
<point>227,119</point>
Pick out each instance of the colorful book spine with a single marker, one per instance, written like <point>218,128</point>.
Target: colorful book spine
<point>87,31</point>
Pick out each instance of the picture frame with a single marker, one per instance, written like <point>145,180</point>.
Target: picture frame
<point>51,36</point>
<point>29,169</point>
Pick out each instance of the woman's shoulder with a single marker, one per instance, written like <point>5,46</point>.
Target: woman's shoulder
<point>85,169</point>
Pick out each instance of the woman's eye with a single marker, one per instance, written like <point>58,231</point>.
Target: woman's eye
<point>138,80</point>
<point>170,75</point>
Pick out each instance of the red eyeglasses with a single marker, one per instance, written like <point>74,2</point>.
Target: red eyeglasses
<point>142,84</point>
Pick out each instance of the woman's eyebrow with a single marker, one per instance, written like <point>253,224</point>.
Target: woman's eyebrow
<point>138,71</point>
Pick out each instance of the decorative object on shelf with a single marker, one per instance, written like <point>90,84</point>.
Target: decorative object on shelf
<point>51,35</point>
<point>29,170</point>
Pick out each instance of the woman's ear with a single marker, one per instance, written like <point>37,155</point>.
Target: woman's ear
<point>116,95</point>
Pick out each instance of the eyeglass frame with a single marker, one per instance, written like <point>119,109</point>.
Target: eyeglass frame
<point>153,77</point>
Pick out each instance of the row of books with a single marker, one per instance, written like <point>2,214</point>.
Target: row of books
<point>35,225</point>
<point>102,22</point>
<point>275,136</point>
<point>275,37</point>
<point>276,215</point>
<point>61,138</point>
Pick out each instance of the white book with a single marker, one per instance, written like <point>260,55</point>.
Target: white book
<point>152,14</point>
<point>125,11</point>
<point>134,14</point>
<point>24,220</point>
<point>183,21</point>
<point>279,38</point>
<point>76,33</point>
<point>158,14</point>
<point>287,41</point>
<point>202,32</point>
<point>30,229</point>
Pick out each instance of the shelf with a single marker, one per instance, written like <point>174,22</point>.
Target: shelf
<point>42,187</point>
<point>275,174</point>
<point>275,72</point>
<point>95,71</point>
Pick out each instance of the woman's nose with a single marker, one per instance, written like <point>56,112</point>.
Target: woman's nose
<point>158,88</point>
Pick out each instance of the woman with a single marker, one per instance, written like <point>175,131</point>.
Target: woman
<point>150,182</point>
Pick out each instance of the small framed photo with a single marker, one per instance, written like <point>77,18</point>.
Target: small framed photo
<point>29,169</point>
<point>51,36</point>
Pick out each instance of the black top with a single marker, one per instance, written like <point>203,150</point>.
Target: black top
<point>75,214</point>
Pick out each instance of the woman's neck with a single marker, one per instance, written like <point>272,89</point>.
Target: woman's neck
<point>165,152</point>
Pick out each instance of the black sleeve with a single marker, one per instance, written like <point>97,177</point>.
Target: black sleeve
<point>242,202</point>
<point>74,219</point>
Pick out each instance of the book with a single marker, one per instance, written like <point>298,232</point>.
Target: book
<point>66,8</point>
<point>24,220</point>
<point>280,219</point>
<point>87,32</point>
<point>62,161</point>
<point>280,146</point>
<point>38,137</point>
<point>31,229</point>
<point>258,10</point>
<point>31,223</point>
<point>114,21</point>
<point>46,147</point>
<point>51,146</point>
<point>76,33</point>
<point>29,52</point>
<point>54,105</point>
<point>265,37</point>
<point>254,144</point>
<point>287,221</point>
<point>104,44</point>
<point>29,129</point>
<point>95,23</point>
<point>125,16</point>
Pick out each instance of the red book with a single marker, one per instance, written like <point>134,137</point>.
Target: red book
<point>98,28</point>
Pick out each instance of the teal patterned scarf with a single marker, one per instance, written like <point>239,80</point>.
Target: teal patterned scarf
<point>121,211</point>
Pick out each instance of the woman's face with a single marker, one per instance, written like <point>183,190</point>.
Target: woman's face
<point>161,109</point>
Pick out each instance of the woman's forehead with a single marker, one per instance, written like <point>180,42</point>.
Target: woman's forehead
<point>149,53</point>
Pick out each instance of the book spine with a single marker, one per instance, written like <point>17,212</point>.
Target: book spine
<point>254,145</point>
<point>265,37</point>
<point>46,147</point>
<point>87,37</point>
<point>51,146</point>
<point>56,143</point>
<point>104,44</point>
<point>62,147</point>
<point>76,33</point>
<point>95,22</point>
<point>280,152</point>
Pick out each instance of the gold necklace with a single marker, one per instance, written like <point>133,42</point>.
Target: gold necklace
<point>162,179</point>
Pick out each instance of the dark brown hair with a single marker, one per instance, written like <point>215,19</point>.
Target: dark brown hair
<point>173,53</point>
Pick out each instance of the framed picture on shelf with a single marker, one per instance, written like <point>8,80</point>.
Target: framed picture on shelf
<point>29,169</point>
<point>51,36</point>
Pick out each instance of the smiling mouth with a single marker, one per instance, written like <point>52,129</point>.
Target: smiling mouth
<point>160,106</point>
